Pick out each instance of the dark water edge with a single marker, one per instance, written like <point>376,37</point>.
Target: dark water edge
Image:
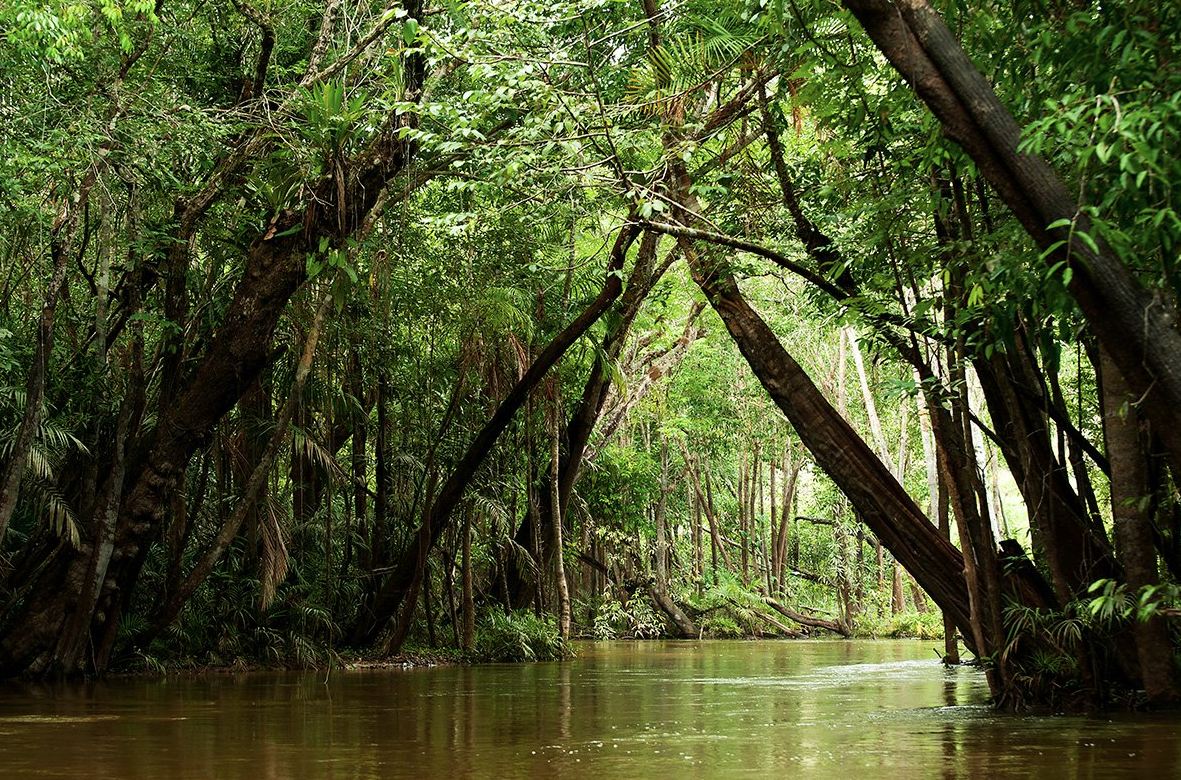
<point>845,710</point>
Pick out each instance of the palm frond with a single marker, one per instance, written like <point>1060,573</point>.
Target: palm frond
<point>521,557</point>
<point>316,452</point>
<point>51,506</point>
<point>408,460</point>
<point>492,507</point>
<point>273,556</point>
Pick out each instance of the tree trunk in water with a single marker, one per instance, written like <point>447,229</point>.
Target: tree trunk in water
<point>805,620</point>
<point>878,498</point>
<point>1131,506</point>
<point>682,622</point>
<point>951,645</point>
<point>1076,552</point>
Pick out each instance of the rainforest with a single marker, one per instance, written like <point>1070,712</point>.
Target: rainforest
<point>334,332</point>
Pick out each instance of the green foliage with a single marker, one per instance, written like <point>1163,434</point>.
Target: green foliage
<point>635,619</point>
<point>729,610</point>
<point>538,129</point>
<point>1114,601</point>
<point>905,625</point>
<point>518,636</point>
<point>721,625</point>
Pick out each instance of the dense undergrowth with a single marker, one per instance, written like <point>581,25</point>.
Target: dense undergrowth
<point>294,637</point>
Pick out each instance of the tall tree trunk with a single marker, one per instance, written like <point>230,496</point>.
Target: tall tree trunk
<point>951,645</point>
<point>1135,329</point>
<point>660,517</point>
<point>587,413</point>
<point>556,513</point>
<point>468,598</point>
<point>1132,501</point>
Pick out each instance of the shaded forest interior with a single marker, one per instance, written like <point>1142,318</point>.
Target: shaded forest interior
<point>336,329</point>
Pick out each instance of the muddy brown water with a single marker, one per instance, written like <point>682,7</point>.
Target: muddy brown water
<point>814,710</point>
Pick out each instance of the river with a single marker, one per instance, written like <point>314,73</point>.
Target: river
<point>814,710</point>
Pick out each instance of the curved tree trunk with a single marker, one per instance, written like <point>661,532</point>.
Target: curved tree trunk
<point>1135,328</point>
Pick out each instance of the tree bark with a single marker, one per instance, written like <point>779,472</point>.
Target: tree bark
<point>1135,328</point>
<point>1132,501</point>
<point>879,500</point>
<point>586,415</point>
<point>170,608</point>
<point>557,512</point>
<point>805,620</point>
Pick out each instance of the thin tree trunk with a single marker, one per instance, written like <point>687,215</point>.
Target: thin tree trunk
<point>589,410</point>
<point>557,514</point>
<point>871,407</point>
<point>715,522</point>
<point>62,251</point>
<point>468,598</point>
<point>428,608</point>
<point>660,518</point>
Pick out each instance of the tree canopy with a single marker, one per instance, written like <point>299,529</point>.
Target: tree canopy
<point>327,326</point>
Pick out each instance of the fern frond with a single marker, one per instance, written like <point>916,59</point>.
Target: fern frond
<point>316,452</point>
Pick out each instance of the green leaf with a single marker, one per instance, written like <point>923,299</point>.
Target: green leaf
<point>410,31</point>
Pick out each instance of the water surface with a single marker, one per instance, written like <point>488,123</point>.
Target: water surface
<point>807,709</point>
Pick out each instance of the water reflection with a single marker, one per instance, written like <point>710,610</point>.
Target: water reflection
<point>702,710</point>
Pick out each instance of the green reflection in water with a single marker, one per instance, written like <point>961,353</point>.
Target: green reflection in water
<point>816,710</point>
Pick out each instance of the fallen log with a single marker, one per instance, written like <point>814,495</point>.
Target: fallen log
<point>805,620</point>
<point>684,625</point>
<point>791,632</point>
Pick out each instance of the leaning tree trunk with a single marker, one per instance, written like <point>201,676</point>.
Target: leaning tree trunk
<point>399,592</point>
<point>274,270</point>
<point>167,611</point>
<point>881,503</point>
<point>583,420</point>
<point>1135,329</point>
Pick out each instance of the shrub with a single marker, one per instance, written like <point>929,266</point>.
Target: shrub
<point>518,636</point>
<point>907,625</point>
<point>637,619</point>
